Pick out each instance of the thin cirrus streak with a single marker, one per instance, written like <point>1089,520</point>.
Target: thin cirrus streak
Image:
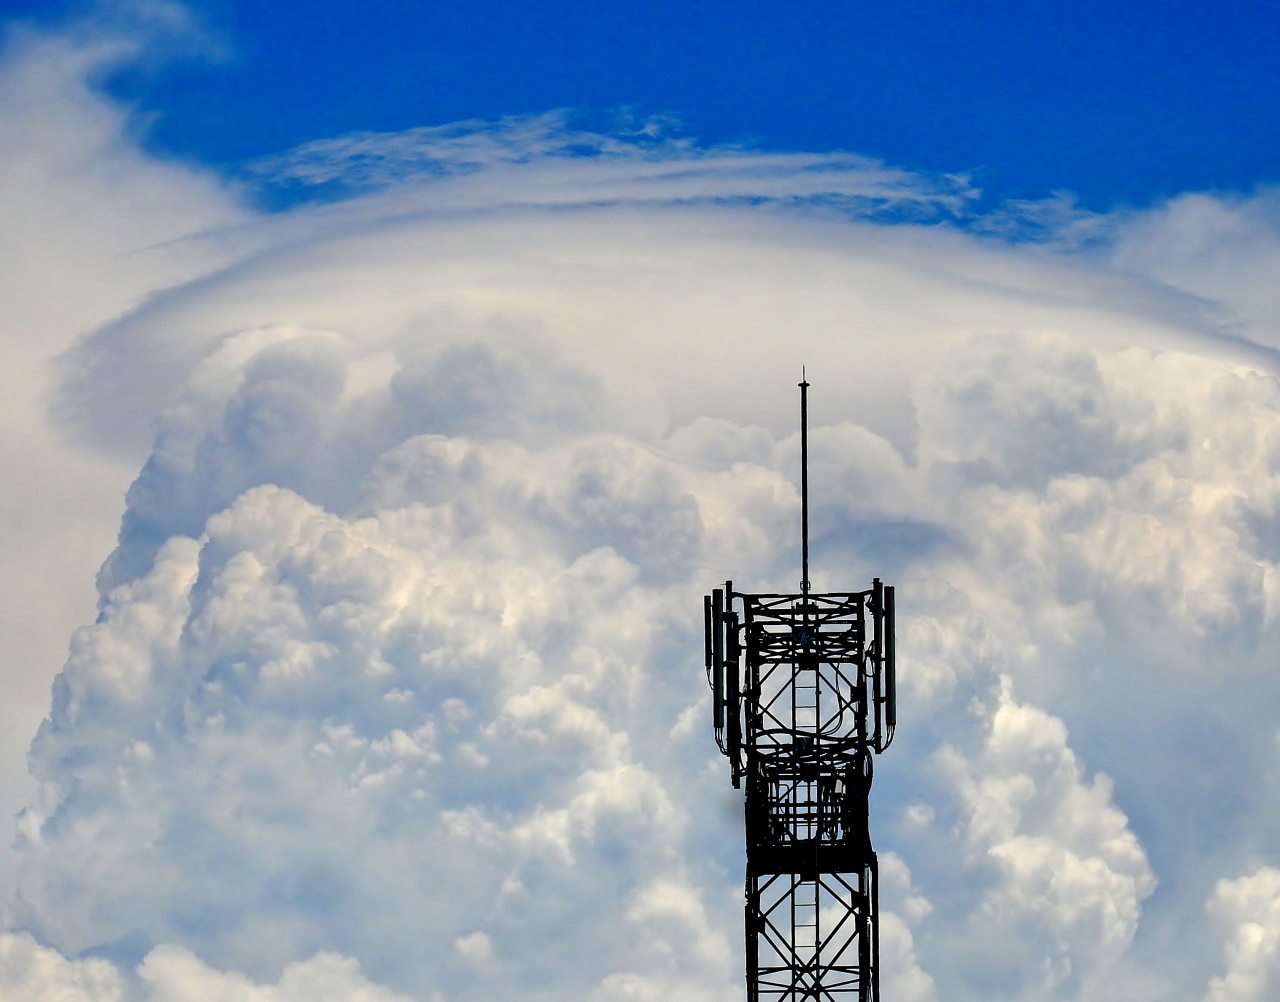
<point>562,163</point>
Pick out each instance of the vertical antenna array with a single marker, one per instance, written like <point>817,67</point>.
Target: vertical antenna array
<point>803,695</point>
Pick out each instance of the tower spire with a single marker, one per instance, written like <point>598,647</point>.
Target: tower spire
<point>804,483</point>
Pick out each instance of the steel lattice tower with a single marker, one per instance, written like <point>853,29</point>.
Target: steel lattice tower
<point>804,695</point>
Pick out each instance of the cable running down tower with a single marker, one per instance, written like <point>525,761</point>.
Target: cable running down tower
<point>804,694</point>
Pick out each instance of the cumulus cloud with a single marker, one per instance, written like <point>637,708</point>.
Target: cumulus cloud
<point>1249,907</point>
<point>31,973</point>
<point>393,691</point>
<point>1070,876</point>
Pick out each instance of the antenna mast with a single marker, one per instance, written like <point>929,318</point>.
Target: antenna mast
<point>804,483</point>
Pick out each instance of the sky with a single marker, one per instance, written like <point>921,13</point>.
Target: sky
<point>1120,104</point>
<point>384,387</point>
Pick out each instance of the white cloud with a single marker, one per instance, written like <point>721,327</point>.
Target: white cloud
<point>1070,876</point>
<point>32,973</point>
<point>1249,907</point>
<point>92,225</point>
<point>475,946</point>
<point>557,162</point>
<point>1221,247</point>
<point>170,974</point>
<point>389,694</point>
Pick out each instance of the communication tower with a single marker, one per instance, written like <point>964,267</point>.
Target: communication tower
<point>803,696</point>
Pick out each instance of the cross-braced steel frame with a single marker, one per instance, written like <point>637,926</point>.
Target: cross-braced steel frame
<point>804,696</point>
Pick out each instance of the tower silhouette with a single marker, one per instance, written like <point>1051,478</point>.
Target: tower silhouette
<point>804,696</point>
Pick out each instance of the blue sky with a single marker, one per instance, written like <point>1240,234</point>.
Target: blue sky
<point>1121,103</point>
<point>353,539</point>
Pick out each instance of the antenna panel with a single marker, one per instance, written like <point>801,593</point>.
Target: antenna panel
<point>890,666</point>
<point>717,655</point>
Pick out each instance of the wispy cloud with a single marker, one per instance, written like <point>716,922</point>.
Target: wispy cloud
<point>470,164</point>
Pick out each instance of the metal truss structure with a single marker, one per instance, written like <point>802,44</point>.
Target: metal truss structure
<point>804,695</point>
